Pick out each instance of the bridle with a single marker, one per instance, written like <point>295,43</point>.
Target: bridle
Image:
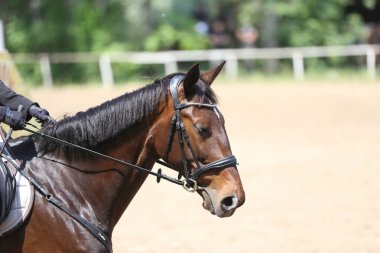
<point>176,125</point>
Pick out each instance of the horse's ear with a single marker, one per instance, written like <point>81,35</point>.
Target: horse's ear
<point>191,78</point>
<point>210,75</point>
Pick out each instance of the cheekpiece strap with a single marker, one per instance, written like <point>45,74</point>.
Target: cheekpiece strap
<point>174,83</point>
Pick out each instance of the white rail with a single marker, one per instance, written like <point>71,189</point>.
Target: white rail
<point>170,59</point>
<point>2,37</point>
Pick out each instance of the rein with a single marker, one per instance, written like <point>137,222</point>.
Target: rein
<point>159,174</point>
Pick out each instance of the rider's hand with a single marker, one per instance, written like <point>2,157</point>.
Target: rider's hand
<point>14,119</point>
<point>39,113</point>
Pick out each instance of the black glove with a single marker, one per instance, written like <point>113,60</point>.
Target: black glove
<point>40,114</point>
<point>14,119</point>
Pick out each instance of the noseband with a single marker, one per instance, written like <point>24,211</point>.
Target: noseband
<point>177,125</point>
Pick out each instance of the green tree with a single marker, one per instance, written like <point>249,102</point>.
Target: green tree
<point>64,26</point>
<point>116,25</point>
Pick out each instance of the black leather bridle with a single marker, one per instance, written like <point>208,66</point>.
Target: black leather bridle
<point>177,125</point>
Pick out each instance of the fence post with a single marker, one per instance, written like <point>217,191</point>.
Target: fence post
<point>232,65</point>
<point>371,62</point>
<point>47,78</point>
<point>106,70</point>
<point>171,67</point>
<point>2,37</point>
<point>298,66</point>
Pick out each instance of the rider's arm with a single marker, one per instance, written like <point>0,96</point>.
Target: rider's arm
<point>9,104</point>
<point>12,100</point>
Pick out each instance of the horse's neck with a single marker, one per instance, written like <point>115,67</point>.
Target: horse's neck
<point>122,184</point>
<point>104,188</point>
<point>131,179</point>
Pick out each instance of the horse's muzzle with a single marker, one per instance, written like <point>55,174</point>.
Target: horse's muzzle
<point>221,206</point>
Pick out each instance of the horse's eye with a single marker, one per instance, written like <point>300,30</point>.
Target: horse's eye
<point>202,130</point>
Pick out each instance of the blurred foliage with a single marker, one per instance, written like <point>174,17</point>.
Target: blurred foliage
<point>323,21</point>
<point>175,35</point>
<point>119,25</point>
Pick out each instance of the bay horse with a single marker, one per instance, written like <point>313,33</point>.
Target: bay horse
<point>82,194</point>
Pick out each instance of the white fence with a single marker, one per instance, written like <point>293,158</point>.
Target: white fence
<point>2,40</point>
<point>170,59</point>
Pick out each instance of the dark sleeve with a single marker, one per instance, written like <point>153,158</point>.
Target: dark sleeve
<point>2,112</point>
<point>11,99</point>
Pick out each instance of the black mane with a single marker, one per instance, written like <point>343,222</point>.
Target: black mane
<point>103,123</point>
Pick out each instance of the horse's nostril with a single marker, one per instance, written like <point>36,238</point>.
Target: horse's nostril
<point>229,203</point>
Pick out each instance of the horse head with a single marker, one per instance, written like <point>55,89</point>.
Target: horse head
<point>197,145</point>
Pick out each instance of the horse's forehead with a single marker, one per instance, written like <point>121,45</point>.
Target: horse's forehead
<point>211,115</point>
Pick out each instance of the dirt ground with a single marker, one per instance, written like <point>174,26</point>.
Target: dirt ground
<point>309,157</point>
